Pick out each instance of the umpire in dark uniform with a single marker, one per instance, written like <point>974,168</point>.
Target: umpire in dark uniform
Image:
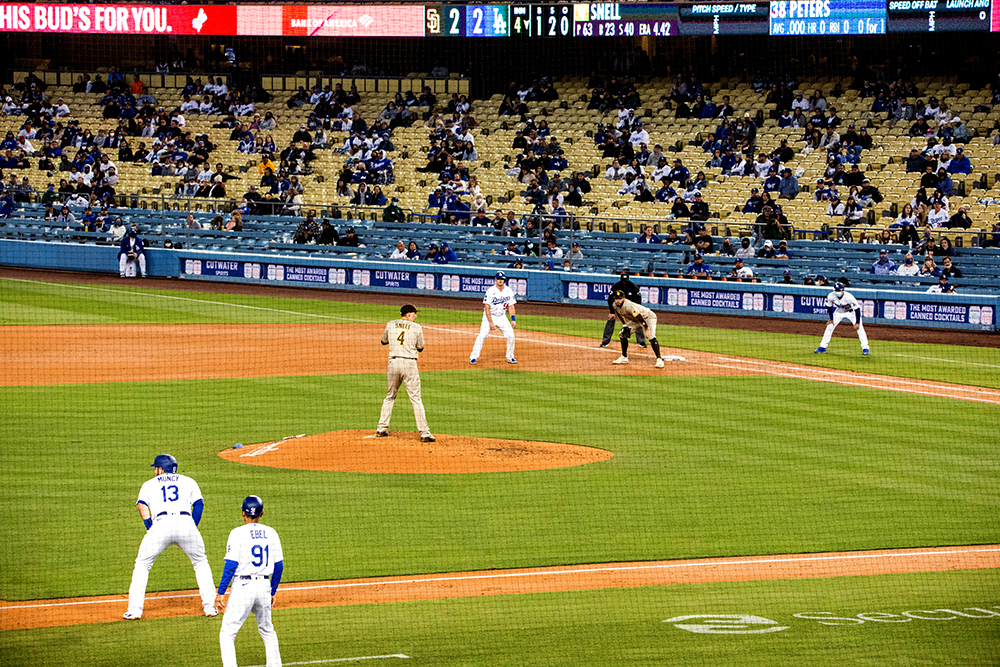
<point>632,294</point>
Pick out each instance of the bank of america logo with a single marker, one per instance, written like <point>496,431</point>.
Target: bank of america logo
<point>365,20</point>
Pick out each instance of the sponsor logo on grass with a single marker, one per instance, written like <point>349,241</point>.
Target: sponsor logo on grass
<point>726,624</point>
<point>749,624</point>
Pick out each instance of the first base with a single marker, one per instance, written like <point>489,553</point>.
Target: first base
<point>673,357</point>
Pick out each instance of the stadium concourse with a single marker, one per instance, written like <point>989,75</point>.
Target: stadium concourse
<point>608,220</point>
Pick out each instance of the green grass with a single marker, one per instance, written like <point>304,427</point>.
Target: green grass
<point>604,627</point>
<point>685,481</point>
<point>702,467</point>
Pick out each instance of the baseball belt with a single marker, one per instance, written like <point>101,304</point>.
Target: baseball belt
<point>166,513</point>
<point>253,576</point>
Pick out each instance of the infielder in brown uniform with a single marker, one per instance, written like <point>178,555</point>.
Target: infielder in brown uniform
<point>636,318</point>
<point>405,339</point>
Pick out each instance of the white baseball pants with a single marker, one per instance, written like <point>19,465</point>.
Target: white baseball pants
<point>403,371</point>
<point>505,328</point>
<point>248,595</point>
<point>176,529</point>
<point>838,315</point>
<point>123,261</point>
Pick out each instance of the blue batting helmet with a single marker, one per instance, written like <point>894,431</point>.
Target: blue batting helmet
<point>500,275</point>
<point>253,506</point>
<point>839,287</point>
<point>165,461</point>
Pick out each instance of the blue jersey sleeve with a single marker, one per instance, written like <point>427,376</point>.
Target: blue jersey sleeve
<point>227,576</point>
<point>279,567</point>
<point>196,509</point>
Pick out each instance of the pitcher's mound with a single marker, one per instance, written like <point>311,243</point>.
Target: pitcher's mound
<point>402,452</point>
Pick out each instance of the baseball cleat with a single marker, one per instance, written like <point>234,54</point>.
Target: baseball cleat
<point>620,360</point>
<point>512,360</point>
<point>642,345</point>
<point>121,275</point>
<point>604,344</point>
<point>819,350</point>
<point>865,351</point>
<point>472,361</point>
<point>659,363</point>
<point>428,438</point>
<point>129,616</point>
<point>211,611</point>
<point>381,434</point>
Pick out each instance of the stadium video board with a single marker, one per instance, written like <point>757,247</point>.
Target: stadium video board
<point>537,20</point>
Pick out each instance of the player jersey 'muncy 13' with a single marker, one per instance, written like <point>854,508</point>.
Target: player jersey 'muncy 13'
<point>256,548</point>
<point>170,493</point>
<point>405,338</point>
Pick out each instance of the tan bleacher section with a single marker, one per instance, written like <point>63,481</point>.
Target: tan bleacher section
<point>570,122</point>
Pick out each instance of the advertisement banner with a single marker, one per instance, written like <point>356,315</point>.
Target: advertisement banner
<point>938,313</point>
<point>250,20</point>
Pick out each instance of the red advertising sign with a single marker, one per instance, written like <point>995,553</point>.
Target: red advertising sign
<point>277,20</point>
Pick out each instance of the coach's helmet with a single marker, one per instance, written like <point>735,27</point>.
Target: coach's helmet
<point>618,294</point>
<point>500,275</point>
<point>165,461</point>
<point>253,506</point>
<point>839,287</point>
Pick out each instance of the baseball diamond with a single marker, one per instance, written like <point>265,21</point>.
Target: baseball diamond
<point>283,386</point>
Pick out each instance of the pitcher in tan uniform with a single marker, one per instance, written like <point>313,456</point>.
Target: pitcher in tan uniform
<point>405,339</point>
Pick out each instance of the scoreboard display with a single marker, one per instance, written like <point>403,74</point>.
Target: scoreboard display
<point>542,20</point>
<point>710,18</point>
<point>625,20</point>
<point>816,18</point>
<point>582,20</point>
<point>468,20</point>
<point>939,15</point>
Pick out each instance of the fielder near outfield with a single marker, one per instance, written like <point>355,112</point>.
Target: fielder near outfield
<point>635,317</point>
<point>170,506</point>
<point>841,305</point>
<point>254,563</point>
<point>498,302</point>
<point>405,339</point>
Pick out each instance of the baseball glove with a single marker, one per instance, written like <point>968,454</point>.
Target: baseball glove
<point>132,255</point>
<point>848,308</point>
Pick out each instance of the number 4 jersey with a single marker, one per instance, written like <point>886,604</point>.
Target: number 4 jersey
<point>170,493</point>
<point>255,548</point>
<point>404,338</point>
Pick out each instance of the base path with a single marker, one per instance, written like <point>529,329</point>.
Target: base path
<point>106,609</point>
<point>40,355</point>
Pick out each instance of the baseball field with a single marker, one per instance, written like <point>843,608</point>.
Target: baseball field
<point>752,503</point>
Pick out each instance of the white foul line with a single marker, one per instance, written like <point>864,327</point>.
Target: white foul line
<point>624,568</point>
<point>365,657</point>
<point>544,573</point>
<point>948,361</point>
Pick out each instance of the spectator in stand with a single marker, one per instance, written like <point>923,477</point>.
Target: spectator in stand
<point>937,216</point>
<point>960,220</point>
<point>883,266</point>
<point>788,187</point>
<point>745,249</point>
<point>959,132</point>
<point>413,251</point>
<point>741,272</point>
<point>943,287</point>
<point>399,252</point>
<point>349,239</point>
<point>698,268</point>
<point>755,203</point>
<point>930,268</point>
<point>773,226</point>
<point>908,267</point>
<point>647,236</point>
<point>945,248</point>
<point>949,270</point>
<point>960,164</point>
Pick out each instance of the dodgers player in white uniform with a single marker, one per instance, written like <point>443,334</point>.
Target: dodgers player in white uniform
<point>498,302</point>
<point>254,564</point>
<point>841,305</point>
<point>170,506</point>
